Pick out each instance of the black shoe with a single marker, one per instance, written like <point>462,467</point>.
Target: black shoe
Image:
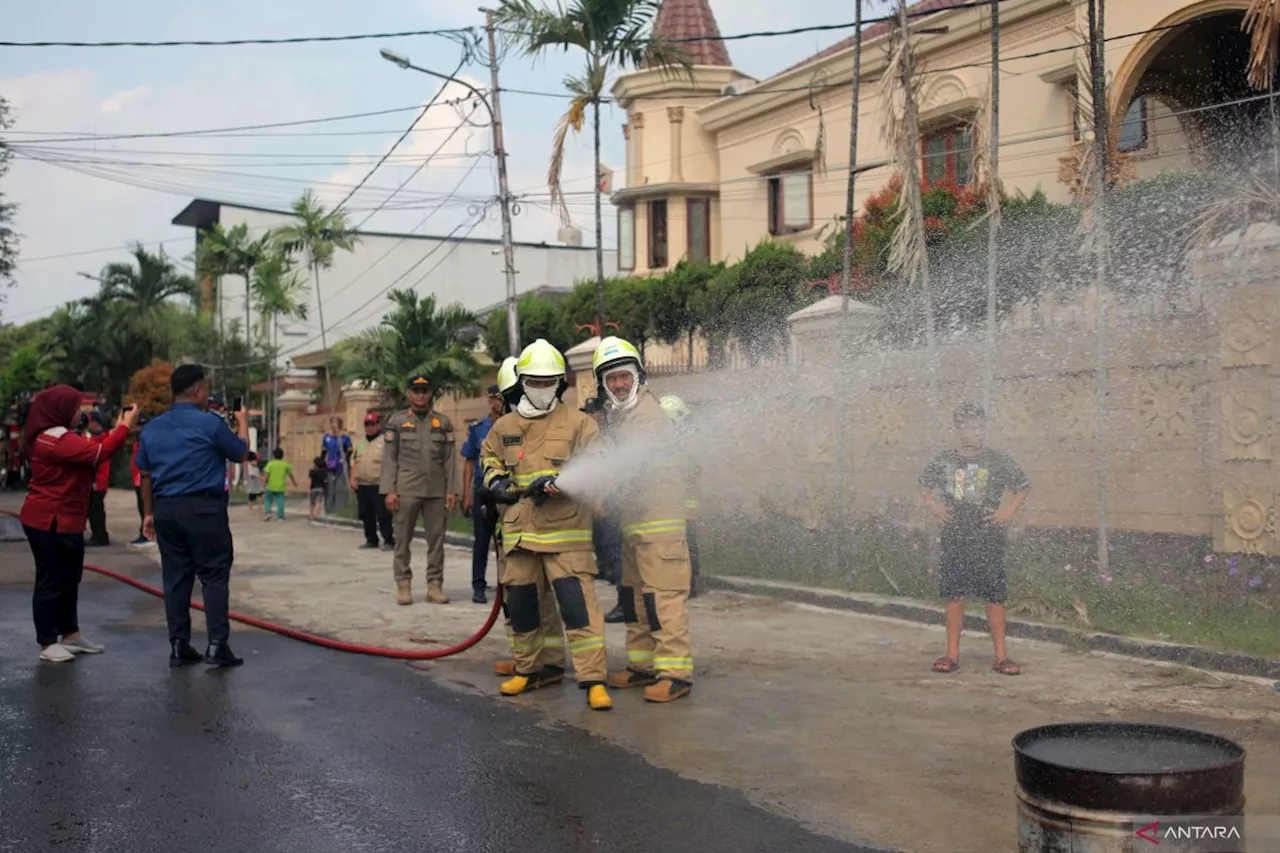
<point>219,654</point>
<point>478,597</point>
<point>181,654</point>
<point>366,546</point>
<point>615,616</point>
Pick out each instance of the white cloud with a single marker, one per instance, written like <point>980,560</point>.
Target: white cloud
<point>116,102</point>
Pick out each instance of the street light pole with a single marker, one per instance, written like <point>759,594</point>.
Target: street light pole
<point>504,195</point>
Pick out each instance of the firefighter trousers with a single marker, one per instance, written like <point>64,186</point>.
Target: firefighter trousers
<point>552,625</point>
<point>567,577</point>
<point>656,577</point>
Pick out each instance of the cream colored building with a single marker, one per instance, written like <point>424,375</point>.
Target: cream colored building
<point>719,162</point>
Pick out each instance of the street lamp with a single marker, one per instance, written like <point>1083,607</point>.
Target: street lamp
<point>495,121</point>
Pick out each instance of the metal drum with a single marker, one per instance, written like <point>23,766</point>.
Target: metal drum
<point>1092,787</point>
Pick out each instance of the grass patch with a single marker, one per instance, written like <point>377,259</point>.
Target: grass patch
<point>1157,587</point>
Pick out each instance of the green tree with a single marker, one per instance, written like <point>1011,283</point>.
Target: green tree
<point>8,237</point>
<point>539,318</point>
<point>674,300</point>
<point>231,251</point>
<point>317,236</point>
<point>611,34</point>
<point>140,296</point>
<point>416,335</point>
<point>279,293</point>
<point>626,304</point>
<point>750,301</point>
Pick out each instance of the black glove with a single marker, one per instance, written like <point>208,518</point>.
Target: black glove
<point>538,489</point>
<point>502,492</point>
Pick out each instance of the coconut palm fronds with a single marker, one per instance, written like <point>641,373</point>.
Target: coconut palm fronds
<point>1249,199</point>
<point>907,248</point>
<point>573,119</point>
<point>1262,23</point>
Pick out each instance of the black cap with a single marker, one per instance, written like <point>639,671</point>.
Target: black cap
<point>184,376</point>
<point>495,391</point>
<point>968,412</point>
<point>420,382</point>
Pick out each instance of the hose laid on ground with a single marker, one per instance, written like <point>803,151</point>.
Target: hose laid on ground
<point>316,639</point>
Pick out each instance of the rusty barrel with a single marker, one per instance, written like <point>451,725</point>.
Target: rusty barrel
<point>1093,787</point>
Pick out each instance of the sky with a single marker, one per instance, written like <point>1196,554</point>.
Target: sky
<point>84,210</point>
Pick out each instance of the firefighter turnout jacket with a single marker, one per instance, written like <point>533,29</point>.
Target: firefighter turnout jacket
<point>525,449</point>
<point>652,507</point>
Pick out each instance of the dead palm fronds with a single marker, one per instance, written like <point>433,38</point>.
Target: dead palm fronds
<point>573,119</point>
<point>1262,23</point>
<point>1248,199</point>
<point>817,84</point>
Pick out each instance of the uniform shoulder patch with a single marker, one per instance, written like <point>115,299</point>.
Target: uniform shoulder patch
<point>512,440</point>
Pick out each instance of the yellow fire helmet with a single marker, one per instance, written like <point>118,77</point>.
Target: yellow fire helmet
<point>540,360</point>
<point>507,378</point>
<point>613,351</point>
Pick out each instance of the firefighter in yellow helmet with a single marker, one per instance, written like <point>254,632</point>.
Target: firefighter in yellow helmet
<point>546,534</point>
<point>655,554</point>
<point>680,415</point>
<point>552,657</point>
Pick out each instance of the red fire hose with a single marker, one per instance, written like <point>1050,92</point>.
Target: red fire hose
<point>316,639</point>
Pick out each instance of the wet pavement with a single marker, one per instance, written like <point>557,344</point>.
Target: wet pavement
<point>306,749</point>
<point>830,719</point>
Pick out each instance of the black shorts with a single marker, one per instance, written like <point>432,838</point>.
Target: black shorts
<point>972,564</point>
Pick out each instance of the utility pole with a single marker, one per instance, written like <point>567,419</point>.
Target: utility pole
<point>499,150</point>
<point>1101,141</point>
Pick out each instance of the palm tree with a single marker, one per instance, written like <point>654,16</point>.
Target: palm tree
<point>141,293</point>
<point>225,251</point>
<point>416,336</point>
<point>317,235</point>
<point>613,34</point>
<point>278,293</point>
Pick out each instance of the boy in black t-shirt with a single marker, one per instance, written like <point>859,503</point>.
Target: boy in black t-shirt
<point>319,476</point>
<point>964,488</point>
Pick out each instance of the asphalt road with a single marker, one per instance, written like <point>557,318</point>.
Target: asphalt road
<point>303,749</point>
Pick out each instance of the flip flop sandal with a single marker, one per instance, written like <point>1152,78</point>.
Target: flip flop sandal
<point>946,664</point>
<point>1007,667</point>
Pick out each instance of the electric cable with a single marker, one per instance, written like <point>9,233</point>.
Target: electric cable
<point>449,32</point>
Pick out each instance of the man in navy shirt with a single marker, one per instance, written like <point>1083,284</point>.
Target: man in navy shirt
<point>482,519</point>
<point>182,461</point>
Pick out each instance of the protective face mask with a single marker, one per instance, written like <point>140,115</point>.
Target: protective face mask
<point>623,404</point>
<point>537,402</point>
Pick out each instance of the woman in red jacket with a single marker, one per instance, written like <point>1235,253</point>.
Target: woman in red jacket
<point>55,512</point>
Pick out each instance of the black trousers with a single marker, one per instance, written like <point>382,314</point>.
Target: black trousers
<point>375,515</point>
<point>483,522</point>
<point>137,493</point>
<point>98,518</point>
<point>606,535</point>
<point>194,536</point>
<point>59,566</point>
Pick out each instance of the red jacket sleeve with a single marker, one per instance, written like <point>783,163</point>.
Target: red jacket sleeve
<point>73,449</point>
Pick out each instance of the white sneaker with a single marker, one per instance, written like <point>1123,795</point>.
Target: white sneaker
<point>82,646</point>
<point>56,654</point>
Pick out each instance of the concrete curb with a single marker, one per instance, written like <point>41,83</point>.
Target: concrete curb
<point>910,610</point>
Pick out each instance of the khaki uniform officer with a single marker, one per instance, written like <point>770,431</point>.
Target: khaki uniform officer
<point>417,480</point>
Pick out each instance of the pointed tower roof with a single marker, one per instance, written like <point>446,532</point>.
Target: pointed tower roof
<point>682,20</point>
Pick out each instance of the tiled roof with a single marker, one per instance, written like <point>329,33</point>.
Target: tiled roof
<point>679,20</point>
<point>876,30</point>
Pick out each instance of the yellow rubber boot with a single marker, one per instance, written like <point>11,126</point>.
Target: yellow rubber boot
<point>598,698</point>
<point>515,685</point>
<point>667,690</point>
<point>505,668</point>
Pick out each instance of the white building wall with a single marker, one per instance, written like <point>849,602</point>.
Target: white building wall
<point>354,289</point>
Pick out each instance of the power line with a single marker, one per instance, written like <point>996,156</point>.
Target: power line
<point>451,32</point>
<point>466,54</point>
<point>216,130</point>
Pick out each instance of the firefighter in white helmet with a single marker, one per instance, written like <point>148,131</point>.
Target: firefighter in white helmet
<point>655,554</point>
<point>552,656</point>
<point>680,415</point>
<point>546,534</point>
